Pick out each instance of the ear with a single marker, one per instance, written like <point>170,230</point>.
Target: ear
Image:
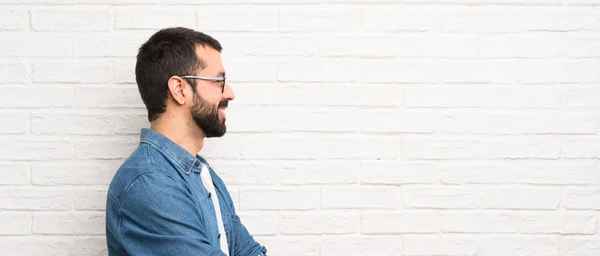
<point>177,89</point>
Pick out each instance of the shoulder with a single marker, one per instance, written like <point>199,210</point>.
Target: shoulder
<point>140,174</point>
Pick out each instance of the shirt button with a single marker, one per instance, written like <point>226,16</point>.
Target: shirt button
<point>196,164</point>
<point>219,236</point>
<point>209,194</point>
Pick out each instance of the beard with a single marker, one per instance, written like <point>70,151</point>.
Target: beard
<point>206,116</point>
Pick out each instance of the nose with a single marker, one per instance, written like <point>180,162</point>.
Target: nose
<point>228,92</point>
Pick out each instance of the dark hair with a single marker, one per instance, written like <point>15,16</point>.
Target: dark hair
<point>169,52</point>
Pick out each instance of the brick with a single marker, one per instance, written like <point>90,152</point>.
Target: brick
<point>15,223</point>
<point>112,44</point>
<point>38,45</point>
<point>354,246</point>
<point>280,95</point>
<point>481,173</point>
<point>519,246</point>
<point>560,174</point>
<point>44,96</point>
<point>362,95</point>
<point>520,97</point>
<point>400,18</point>
<point>320,121</point>
<point>128,2</point>
<point>31,246</point>
<point>479,222</point>
<point>228,147</point>
<point>306,223</point>
<point>363,147</point>
<point>581,46</point>
<point>280,1</point>
<point>105,149</point>
<point>278,199</point>
<point>428,96</point>
<point>357,46</point>
<point>89,246</point>
<point>520,46</point>
<point>14,122</point>
<point>87,123</point>
<point>479,72</point>
<point>301,246</point>
<point>581,148</point>
<point>482,20</point>
<point>479,123</point>
<point>36,199</point>
<point>14,72</point>
<point>569,223</point>
<point>251,120</point>
<point>399,122</point>
<point>558,19</point>
<point>400,222</point>
<point>262,223</point>
<point>276,147</point>
<point>74,173</point>
<point>441,149</point>
<point>558,124</point>
<point>421,245</point>
<point>162,17</point>
<point>581,98</point>
<point>360,198</point>
<point>14,174</point>
<point>194,2</point>
<point>124,71</point>
<point>72,71</point>
<point>71,19</point>
<point>14,19</point>
<point>321,172</point>
<point>324,19</point>
<point>533,199</point>
<point>68,223</point>
<point>278,46</point>
<point>316,71</point>
<point>579,246</point>
<point>237,19</point>
<point>397,173</point>
<point>247,172</point>
<point>103,96</point>
<point>252,71</point>
<point>36,150</point>
<point>521,148</point>
<point>93,200</point>
<point>405,71</point>
<point>582,199</point>
<point>427,45</point>
<point>441,198</point>
<point>547,71</point>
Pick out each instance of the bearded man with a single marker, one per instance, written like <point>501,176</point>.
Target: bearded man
<point>166,199</point>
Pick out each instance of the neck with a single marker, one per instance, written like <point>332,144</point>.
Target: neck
<point>183,132</point>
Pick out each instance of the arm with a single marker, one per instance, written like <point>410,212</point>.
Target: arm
<point>159,217</point>
<point>246,245</point>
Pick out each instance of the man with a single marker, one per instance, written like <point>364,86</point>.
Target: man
<point>165,199</point>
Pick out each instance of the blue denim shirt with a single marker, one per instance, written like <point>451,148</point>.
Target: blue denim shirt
<point>157,205</point>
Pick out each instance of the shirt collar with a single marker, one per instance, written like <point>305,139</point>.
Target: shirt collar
<point>177,155</point>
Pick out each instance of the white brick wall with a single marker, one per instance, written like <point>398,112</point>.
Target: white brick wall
<point>360,127</point>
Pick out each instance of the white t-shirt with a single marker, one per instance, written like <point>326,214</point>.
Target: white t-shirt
<point>208,184</point>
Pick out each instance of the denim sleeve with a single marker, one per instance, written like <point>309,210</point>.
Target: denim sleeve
<point>246,245</point>
<point>159,217</point>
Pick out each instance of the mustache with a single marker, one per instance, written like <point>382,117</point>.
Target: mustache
<point>223,103</point>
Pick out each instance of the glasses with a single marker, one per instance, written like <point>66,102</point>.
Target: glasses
<point>220,79</point>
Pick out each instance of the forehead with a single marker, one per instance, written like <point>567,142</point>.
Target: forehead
<point>211,59</point>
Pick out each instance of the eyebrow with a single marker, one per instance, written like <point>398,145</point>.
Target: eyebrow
<point>221,74</point>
